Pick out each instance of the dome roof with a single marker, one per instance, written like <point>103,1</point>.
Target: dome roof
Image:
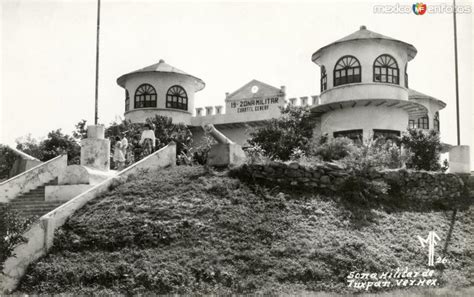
<point>364,34</point>
<point>162,67</point>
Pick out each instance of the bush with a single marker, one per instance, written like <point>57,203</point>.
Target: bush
<point>279,137</point>
<point>375,154</point>
<point>201,152</point>
<point>255,154</point>
<point>12,226</point>
<point>7,159</point>
<point>332,149</point>
<point>425,149</point>
<point>379,153</point>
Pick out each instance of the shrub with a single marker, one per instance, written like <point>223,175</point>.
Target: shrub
<point>425,149</point>
<point>332,149</point>
<point>376,154</point>
<point>379,153</point>
<point>297,154</point>
<point>201,152</point>
<point>255,154</point>
<point>12,226</point>
<point>7,159</point>
<point>279,137</point>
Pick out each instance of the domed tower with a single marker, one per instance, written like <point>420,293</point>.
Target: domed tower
<point>159,89</point>
<point>364,86</point>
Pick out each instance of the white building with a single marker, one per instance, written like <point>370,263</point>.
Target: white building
<point>364,93</point>
<point>159,89</point>
<point>364,88</point>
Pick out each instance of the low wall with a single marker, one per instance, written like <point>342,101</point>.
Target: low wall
<point>41,235</point>
<point>32,178</point>
<point>414,185</point>
<point>21,165</point>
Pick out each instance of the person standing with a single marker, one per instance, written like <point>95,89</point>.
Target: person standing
<point>124,143</point>
<point>148,140</point>
<point>119,158</point>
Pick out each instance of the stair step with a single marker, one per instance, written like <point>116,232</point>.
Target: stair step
<point>38,211</point>
<point>35,192</point>
<point>24,198</point>
<point>30,202</point>
<point>31,195</point>
<point>33,206</point>
<point>35,201</point>
<point>29,215</point>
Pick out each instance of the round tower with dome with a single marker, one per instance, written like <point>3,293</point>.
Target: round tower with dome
<point>159,89</point>
<point>364,88</point>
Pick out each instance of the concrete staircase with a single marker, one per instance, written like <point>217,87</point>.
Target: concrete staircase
<point>33,202</point>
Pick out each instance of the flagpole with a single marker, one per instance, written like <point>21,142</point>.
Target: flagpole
<point>96,117</point>
<point>456,72</point>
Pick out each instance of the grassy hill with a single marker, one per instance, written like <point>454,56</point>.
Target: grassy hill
<point>187,230</point>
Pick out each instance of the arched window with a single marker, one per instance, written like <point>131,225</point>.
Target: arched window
<point>386,70</point>
<point>406,76</point>
<point>436,121</point>
<point>347,71</point>
<point>423,123</point>
<point>145,96</point>
<point>324,79</point>
<point>177,98</point>
<point>127,101</point>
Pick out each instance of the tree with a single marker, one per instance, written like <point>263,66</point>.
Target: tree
<point>280,137</point>
<point>58,143</point>
<point>425,148</point>
<point>54,145</point>
<point>165,131</point>
<point>30,146</point>
<point>81,130</point>
<point>7,159</point>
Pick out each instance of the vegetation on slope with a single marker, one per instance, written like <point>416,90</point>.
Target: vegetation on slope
<point>187,230</point>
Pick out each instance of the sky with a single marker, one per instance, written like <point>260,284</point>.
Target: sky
<point>48,53</point>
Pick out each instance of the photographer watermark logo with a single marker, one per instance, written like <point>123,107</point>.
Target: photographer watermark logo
<point>430,241</point>
<point>419,8</point>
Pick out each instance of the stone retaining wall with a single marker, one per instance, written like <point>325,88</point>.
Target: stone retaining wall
<point>403,183</point>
